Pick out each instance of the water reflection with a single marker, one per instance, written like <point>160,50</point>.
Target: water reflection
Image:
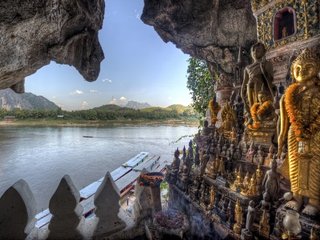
<point>42,156</point>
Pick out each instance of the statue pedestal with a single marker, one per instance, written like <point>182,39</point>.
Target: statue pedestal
<point>262,136</point>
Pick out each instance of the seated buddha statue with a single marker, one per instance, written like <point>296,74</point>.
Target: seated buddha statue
<point>261,110</point>
<point>300,127</point>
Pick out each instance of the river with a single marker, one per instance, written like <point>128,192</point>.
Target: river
<point>43,155</point>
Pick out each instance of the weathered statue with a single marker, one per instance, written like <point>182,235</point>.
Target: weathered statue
<point>300,125</point>
<point>271,181</point>
<point>229,118</point>
<point>174,170</point>
<point>212,197</point>
<point>256,75</point>
<point>214,108</point>
<point>250,153</point>
<point>250,216</point>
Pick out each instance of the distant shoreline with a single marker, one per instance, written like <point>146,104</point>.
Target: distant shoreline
<point>96,123</point>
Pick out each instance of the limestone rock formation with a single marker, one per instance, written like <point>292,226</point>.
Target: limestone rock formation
<point>208,29</point>
<point>34,32</point>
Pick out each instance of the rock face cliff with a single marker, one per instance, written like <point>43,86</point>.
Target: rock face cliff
<point>34,32</point>
<point>10,100</point>
<point>211,30</point>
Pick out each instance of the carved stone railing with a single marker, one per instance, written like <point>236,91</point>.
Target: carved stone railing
<point>18,211</point>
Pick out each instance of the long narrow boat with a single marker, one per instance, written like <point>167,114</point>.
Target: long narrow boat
<point>125,177</point>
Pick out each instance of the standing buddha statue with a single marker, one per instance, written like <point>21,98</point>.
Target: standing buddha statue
<point>257,76</point>
<point>300,125</point>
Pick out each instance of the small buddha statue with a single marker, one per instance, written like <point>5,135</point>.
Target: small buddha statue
<point>245,183</point>
<point>224,150</point>
<point>206,131</point>
<point>259,157</point>
<point>261,110</point>
<point>265,203</point>
<point>264,224</point>
<point>238,217</point>
<point>237,184</point>
<point>300,125</point>
<point>252,189</point>
<point>229,118</point>
<point>212,197</point>
<point>175,167</point>
<point>269,157</point>
<point>214,108</point>
<point>271,181</point>
<point>221,170</point>
<point>259,175</point>
<point>210,167</point>
<point>250,153</point>
<point>204,161</point>
<point>237,154</point>
<point>250,216</point>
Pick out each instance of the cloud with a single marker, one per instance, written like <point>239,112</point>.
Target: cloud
<point>84,105</point>
<point>107,80</point>
<point>170,98</point>
<point>54,97</point>
<point>76,92</point>
<point>121,101</point>
<point>93,91</point>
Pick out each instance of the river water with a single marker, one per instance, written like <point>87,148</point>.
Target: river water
<point>43,155</point>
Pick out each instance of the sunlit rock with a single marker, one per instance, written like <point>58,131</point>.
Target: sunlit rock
<point>35,32</point>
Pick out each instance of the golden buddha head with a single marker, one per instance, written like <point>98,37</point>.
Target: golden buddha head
<point>306,66</point>
<point>258,51</point>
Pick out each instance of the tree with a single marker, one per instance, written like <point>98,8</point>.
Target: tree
<point>200,84</point>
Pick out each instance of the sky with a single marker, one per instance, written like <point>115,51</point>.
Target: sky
<point>138,66</point>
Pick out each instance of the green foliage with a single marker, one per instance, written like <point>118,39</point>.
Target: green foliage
<point>106,112</point>
<point>200,84</point>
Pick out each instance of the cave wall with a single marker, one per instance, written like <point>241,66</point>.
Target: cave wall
<point>34,32</point>
<point>212,30</point>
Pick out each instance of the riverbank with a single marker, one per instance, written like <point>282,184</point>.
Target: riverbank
<point>98,123</point>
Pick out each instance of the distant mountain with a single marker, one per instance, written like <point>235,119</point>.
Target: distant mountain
<point>108,107</point>
<point>179,108</point>
<point>137,105</point>
<point>10,100</point>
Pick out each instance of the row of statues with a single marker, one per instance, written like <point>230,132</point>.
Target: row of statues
<point>227,159</point>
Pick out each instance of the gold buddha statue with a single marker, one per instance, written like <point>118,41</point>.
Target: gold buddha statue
<point>212,197</point>
<point>237,217</point>
<point>300,126</point>
<point>257,76</point>
<point>229,118</point>
<point>261,110</point>
<point>214,108</point>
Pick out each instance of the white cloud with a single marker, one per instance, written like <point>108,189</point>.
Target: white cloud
<point>93,91</point>
<point>107,80</point>
<point>54,97</point>
<point>76,92</point>
<point>84,105</point>
<point>121,101</point>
